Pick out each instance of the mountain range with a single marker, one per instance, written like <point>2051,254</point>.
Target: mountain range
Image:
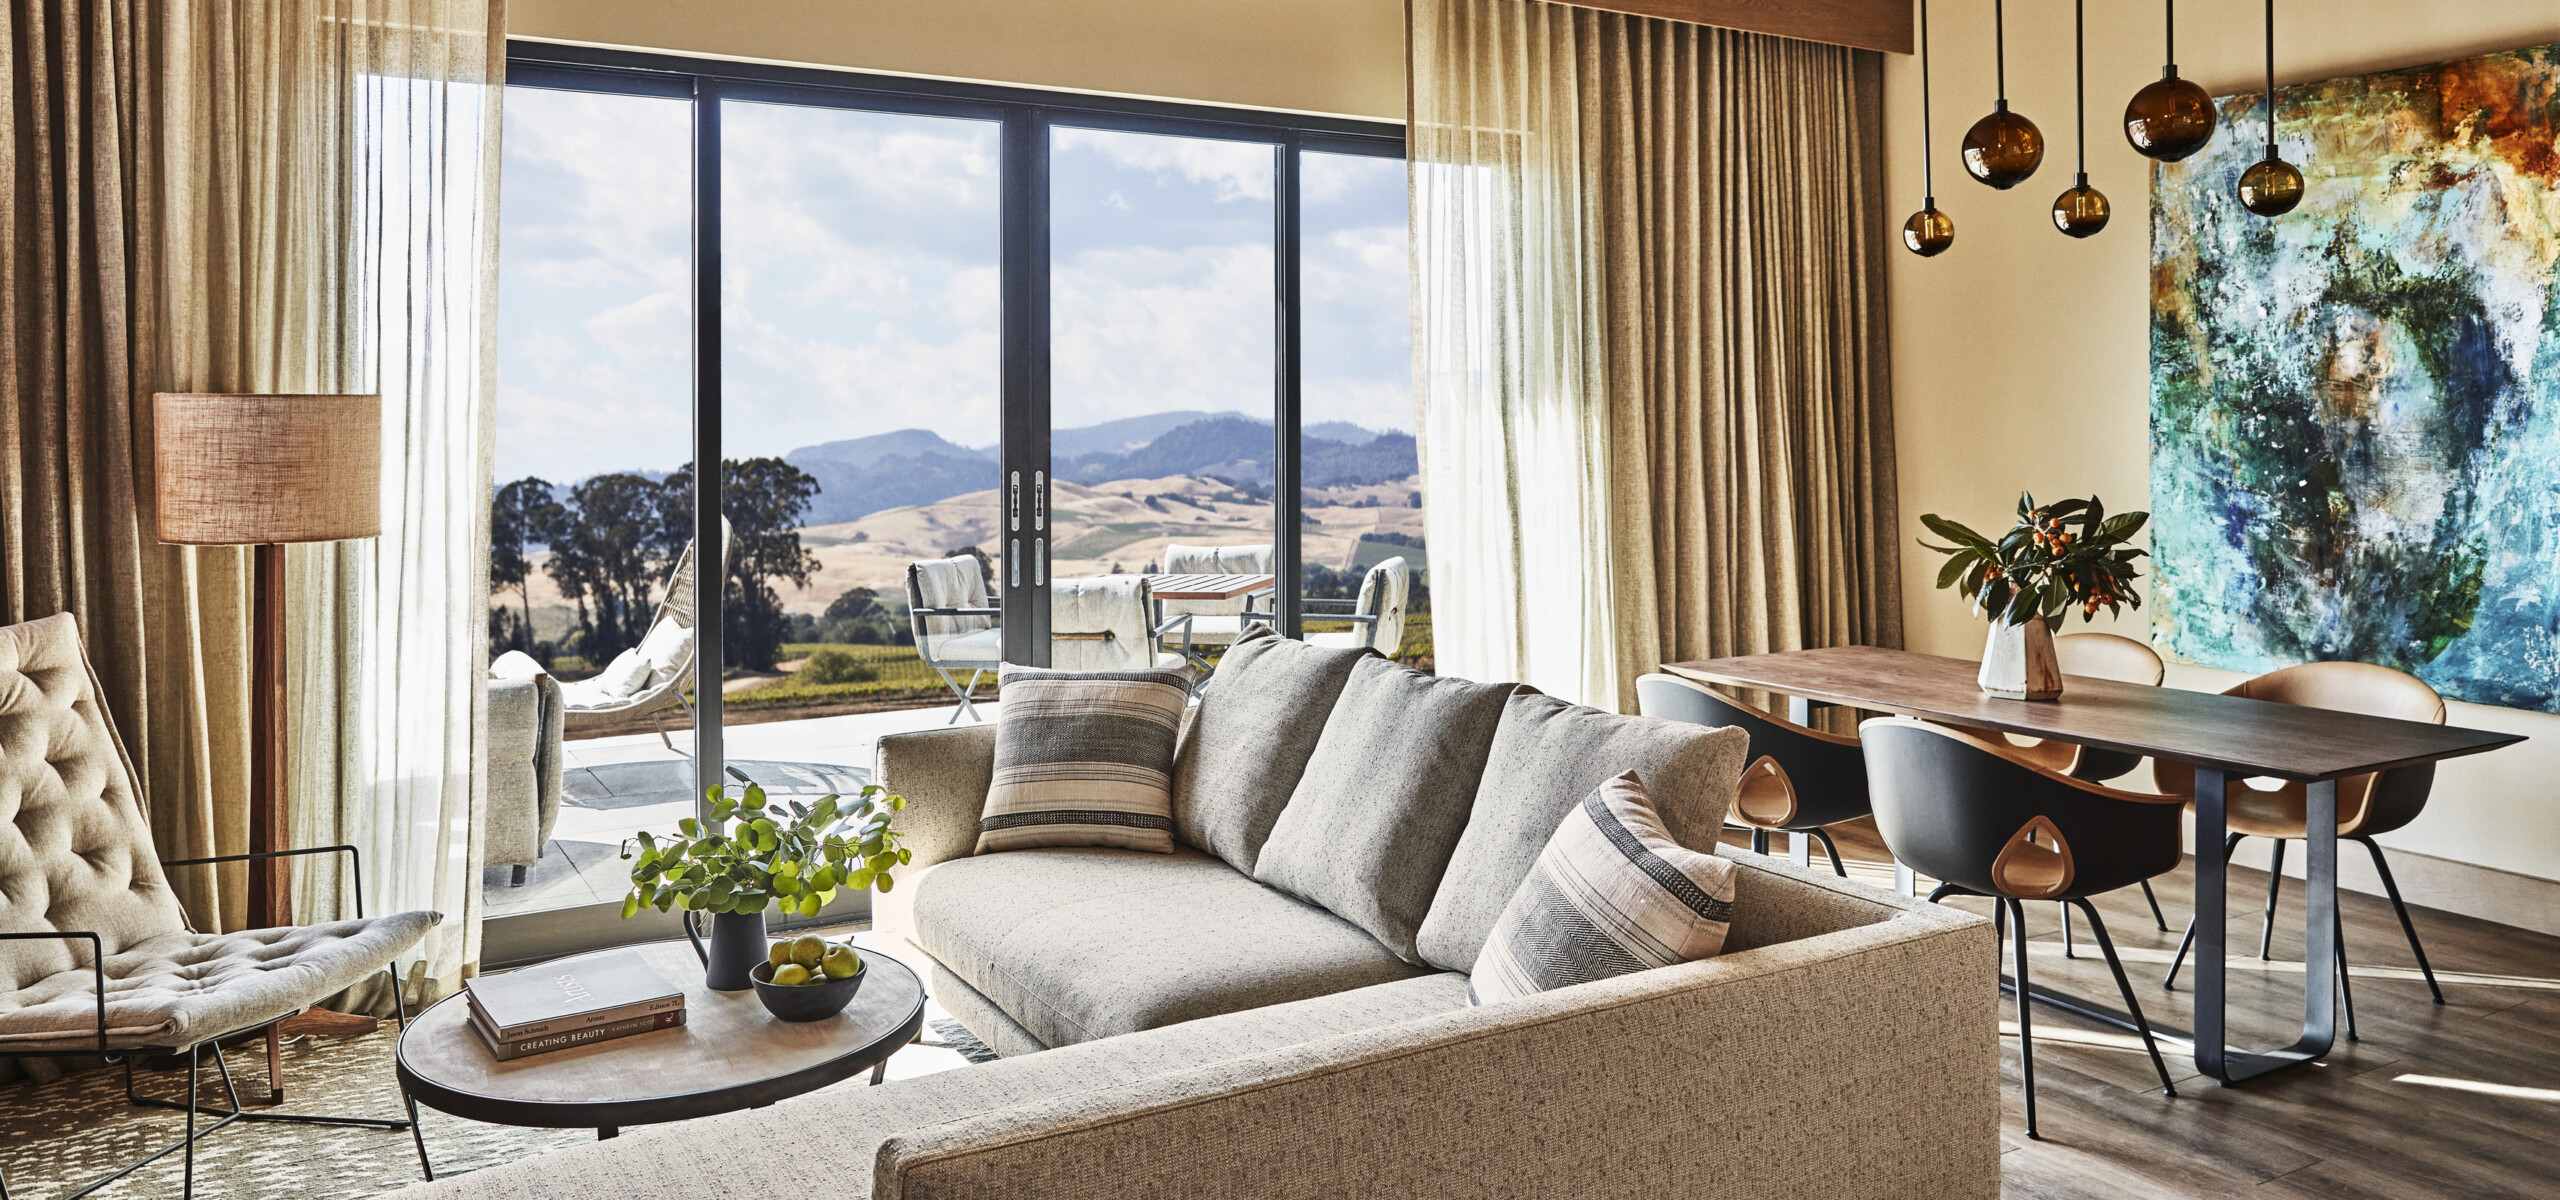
<point>861,476</point>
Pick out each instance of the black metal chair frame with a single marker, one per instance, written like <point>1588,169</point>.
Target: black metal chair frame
<point>1824,774</point>
<point>193,1050</point>
<point>1962,811</point>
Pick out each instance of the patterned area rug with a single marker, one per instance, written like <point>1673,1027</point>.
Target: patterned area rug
<point>62,1134</point>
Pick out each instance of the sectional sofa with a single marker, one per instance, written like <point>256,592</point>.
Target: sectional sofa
<point>1175,1025</point>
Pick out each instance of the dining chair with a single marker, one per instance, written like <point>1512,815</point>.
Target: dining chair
<point>2368,805</point>
<point>955,625</point>
<point>1800,778</point>
<point>1987,821</point>
<point>2121,660</point>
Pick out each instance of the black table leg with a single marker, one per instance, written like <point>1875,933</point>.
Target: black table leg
<point>2320,937</point>
<point>608,1131</point>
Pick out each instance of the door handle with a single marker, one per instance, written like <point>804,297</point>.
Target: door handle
<point>1040,562</point>
<point>1039,501</point>
<point>1013,504</point>
<point>1013,561</point>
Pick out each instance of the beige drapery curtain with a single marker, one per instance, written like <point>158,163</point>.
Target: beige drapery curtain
<point>1649,331</point>
<point>287,195</point>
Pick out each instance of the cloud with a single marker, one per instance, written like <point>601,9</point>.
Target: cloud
<point>1235,170</point>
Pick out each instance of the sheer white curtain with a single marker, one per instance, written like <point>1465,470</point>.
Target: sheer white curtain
<point>390,635</point>
<point>1508,341</point>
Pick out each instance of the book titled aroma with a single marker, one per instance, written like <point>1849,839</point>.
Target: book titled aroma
<point>554,999</point>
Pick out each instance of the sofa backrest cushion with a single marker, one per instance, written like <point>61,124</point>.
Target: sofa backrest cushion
<point>1611,894</point>
<point>1084,759</point>
<point>1384,797</point>
<point>81,855</point>
<point>1548,755</point>
<point>1251,734</point>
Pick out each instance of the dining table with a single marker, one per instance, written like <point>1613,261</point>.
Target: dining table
<point>2225,737</point>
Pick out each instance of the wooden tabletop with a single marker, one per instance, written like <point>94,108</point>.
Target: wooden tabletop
<point>1206,587</point>
<point>730,1054</point>
<point>2240,736</point>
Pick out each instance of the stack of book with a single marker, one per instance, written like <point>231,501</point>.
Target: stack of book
<point>575,1003</point>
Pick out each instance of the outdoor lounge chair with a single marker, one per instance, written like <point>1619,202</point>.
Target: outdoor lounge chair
<point>1376,615</point>
<point>955,627</point>
<point>1105,624</point>
<point>647,679</point>
<point>98,958</point>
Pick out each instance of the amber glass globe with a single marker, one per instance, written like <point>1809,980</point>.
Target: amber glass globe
<point>2170,119</point>
<point>2081,211</point>
<point>2271,187</point>
<point>2003,149</point>
<point>1928,233</point>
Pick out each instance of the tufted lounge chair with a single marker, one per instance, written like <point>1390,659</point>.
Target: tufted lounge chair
<point>96,956</point>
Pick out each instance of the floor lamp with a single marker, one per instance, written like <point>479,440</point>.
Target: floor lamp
<point>263,470</point>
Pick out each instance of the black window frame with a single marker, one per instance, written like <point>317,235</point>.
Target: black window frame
<point>1025,116</point>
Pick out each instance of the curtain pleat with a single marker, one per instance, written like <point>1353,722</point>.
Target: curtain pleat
<point>282,196</point>
<point>1650,356</point>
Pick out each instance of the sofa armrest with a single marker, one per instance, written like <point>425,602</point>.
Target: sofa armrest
<point>1872,1051</point>
<point>944,774</point>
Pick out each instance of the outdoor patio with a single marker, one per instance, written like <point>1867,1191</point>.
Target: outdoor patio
<point>614,786</point>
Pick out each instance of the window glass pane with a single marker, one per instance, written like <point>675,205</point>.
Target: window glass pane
<point>593,412</point>
<point>1161,357</point>
<point>860,377</point>
<point>1362,495</point>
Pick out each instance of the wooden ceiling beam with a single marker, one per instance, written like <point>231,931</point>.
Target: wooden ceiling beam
<point>1866,24</point>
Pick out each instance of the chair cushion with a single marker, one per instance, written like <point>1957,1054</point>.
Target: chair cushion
<point>986,646</point>
<point>1385,795</point>
<point>622,678</point>
<point>1256,724</point>
<point>665,651</point>
<point>1611,894</point>
<point>1546,757</point>
<point>180,988</point>
<point>1089,943</point>
<point>75,851</point>
<point>1084,759</point>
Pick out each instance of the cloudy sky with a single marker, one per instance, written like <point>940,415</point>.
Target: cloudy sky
<point>860,289</point>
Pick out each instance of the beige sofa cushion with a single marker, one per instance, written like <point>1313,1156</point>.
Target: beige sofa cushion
<point>1251,734</point>
<point>1372,822</point>
<point>1546,757</point>
<point>1086,943</point>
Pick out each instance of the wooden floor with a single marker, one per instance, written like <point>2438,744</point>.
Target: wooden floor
<point>2458,1100</point>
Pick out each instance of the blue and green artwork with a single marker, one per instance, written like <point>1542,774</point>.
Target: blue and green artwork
<point>2356,406</point>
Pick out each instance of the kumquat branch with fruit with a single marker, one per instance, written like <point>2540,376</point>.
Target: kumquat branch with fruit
<point>2057,557</point>
<point>756,854</point>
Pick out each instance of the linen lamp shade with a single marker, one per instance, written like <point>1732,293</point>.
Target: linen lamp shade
<point>240,470</point>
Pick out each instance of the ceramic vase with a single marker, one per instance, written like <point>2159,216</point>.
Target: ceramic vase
<point>738,946</point>
<point>2018,662</point>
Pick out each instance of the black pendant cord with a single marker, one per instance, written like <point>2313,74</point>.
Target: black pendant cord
<point>2000,50</point>
<point>2080,84</point>
<point>2271,79</point>
<point>2172,67</point>
<point>1928,181</point>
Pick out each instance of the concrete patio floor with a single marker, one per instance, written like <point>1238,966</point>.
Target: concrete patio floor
<point>613,787</point>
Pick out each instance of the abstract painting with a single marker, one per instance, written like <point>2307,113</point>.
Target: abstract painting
<point>2356,406</point>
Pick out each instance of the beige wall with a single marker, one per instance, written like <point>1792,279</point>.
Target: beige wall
<point>1343,57</point>
<point>2020,356</point>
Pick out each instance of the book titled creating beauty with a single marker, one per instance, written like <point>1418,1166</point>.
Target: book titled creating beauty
<point>552,1006</point>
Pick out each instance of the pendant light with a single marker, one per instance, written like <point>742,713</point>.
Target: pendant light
<point>2271,187</point>
<point>1929,232</point>
<point>2170,118</point>
<point>2082,210</point>
<point>2004,148</point>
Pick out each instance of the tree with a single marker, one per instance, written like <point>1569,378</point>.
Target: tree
<point>609,554</point>
<point>522,514</point>
<point>765,500</point>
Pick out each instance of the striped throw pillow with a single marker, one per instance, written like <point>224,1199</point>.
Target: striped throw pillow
<point>1611,894</point>
<point>1084,759</point>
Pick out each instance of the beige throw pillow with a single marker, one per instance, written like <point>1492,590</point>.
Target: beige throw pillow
<point>1084,759</point>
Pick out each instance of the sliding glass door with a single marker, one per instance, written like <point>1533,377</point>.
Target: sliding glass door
<point>955,351</point>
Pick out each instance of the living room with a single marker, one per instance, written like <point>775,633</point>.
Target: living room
<point>1298,589</point>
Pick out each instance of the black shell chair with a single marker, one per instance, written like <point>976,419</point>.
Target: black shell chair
<point>1799,780</point>
<point>1986,821</point>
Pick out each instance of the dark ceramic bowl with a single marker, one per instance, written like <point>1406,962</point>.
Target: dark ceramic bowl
<point>808,1002</point>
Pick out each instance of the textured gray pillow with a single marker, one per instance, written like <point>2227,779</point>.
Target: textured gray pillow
<point>1546,757</point>
<point>1384,798</point>
<point>1249,739</point>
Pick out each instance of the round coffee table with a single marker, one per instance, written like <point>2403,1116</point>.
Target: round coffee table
<point>728,1055</point>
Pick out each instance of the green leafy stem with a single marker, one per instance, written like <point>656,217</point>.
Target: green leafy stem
<point>2056,557</point>
<point>756,854</point>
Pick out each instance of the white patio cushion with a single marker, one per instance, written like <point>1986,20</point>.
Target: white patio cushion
<point>179,988</point>
<point>667,650</point>
<point>1341,639</point>
<point>1212,629</point>
<point>966,649</point>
